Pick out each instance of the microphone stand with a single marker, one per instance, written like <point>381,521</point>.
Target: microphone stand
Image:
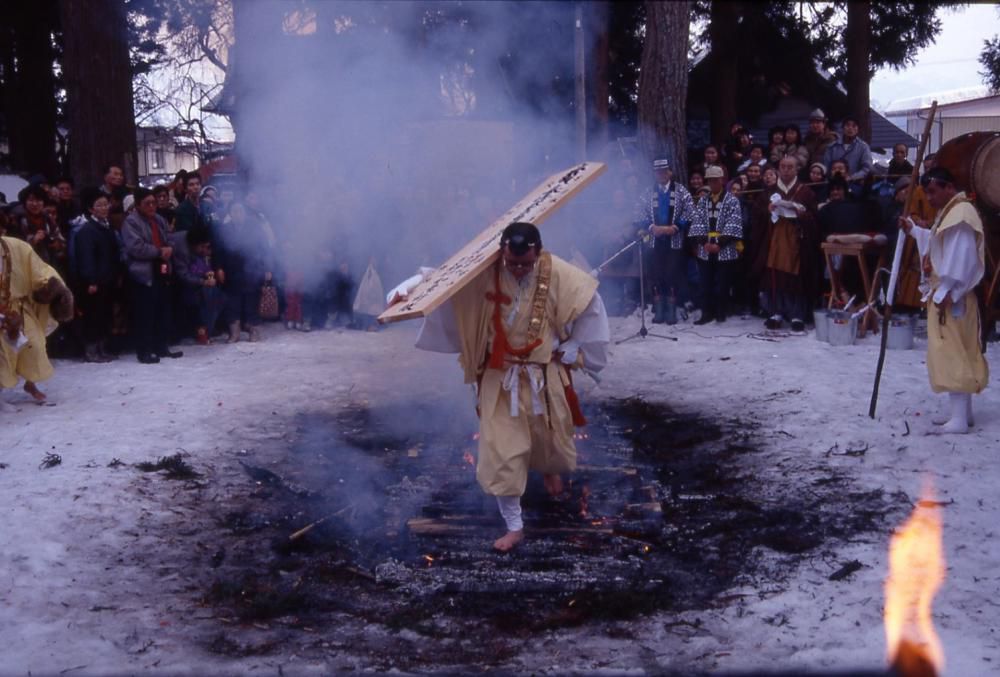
<point>643,331</point>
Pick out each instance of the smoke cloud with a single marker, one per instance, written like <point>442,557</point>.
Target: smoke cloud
<point>396,131</point>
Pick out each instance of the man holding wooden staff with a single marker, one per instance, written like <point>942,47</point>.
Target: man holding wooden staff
<point>520,327</point>
<point>952,255</point>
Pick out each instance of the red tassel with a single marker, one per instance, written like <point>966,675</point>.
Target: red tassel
<point>574,402</point>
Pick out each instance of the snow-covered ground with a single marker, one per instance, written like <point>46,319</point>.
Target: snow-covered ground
<point>92,580</point>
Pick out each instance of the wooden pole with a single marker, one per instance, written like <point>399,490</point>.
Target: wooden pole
<point>580,84</point>
<point>887,314</point>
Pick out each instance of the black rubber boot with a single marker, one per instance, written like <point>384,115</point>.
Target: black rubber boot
<point>658,310</point>
<point>670,312</point>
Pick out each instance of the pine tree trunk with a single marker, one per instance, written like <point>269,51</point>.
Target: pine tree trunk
<point>31,111</point>
<point>725,58</point>
<point>663,83</point>
<point>98,75</point>
<point>601,13</point>
<point>857,39</point>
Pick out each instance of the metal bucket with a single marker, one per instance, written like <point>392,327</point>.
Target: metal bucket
<point>821,319</point>
<point>901,330</point>
<point>842,329</point>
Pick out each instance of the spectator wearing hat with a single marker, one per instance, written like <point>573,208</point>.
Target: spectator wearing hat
<point>817,181</point>
<point>852,150</point>
<point>819,136</point>
<point>95,265</point>
<point>148,254</point>
<point>716,228</point>
<point>666,210</point>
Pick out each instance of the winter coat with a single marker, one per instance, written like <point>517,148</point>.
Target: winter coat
<point>140,252</point>
<point>95,253</point>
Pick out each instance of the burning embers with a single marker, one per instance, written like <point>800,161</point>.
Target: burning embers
<point>662,514</point>
<point>916,571</point>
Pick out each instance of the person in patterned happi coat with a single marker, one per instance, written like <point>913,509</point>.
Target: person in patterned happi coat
<point>717,230</point>
<point>665,209</point>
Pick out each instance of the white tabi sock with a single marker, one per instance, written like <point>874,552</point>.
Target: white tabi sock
<point>510,510</point>
<point>961,404</point>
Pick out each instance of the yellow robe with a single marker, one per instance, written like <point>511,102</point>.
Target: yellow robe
<point>24,272</point>
<point>511,445</point>
<point>955,361</point>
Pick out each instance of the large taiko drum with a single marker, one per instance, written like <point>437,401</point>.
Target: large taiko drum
<point>974,160</point>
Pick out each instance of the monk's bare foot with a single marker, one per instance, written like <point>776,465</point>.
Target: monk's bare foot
<point>507,542</point>
<point>35,393</point>
<point>553,484</point>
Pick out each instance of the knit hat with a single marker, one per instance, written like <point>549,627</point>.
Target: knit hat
<point>818,114</point>
<point>818,165</point>
<point>714,172</point>
<point>662,163</point>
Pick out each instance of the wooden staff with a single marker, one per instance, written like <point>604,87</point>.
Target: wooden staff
<point>897,257</point>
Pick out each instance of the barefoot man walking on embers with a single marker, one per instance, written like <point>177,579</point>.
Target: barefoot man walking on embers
<point>519,327</point>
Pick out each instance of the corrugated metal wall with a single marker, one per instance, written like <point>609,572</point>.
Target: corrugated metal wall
<point>950,127</point>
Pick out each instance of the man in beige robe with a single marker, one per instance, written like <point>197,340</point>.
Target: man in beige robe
<point>952,251</point>
<point>31,295</point>
<point>520,327</point>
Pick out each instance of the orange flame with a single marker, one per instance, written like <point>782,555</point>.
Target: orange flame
<point>916,571</point>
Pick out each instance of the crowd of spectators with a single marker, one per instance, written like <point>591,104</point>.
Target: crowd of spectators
<point>150,268</point>
<point>845,193</point>
<point>185,260</point>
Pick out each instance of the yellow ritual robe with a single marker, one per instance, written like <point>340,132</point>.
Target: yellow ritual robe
<point>24,272</point>
<point>537,433</point>
<point>955,361</point>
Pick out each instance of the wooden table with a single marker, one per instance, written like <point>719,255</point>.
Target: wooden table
<point>861,251</point>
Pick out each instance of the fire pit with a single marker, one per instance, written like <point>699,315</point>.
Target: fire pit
<point>390,528</point>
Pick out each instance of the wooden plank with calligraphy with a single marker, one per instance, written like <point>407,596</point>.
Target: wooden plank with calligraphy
<point>481,252</point>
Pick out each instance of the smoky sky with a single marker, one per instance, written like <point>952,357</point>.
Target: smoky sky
<point>396,131</point>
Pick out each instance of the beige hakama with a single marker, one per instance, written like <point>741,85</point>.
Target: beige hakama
<point>526,422</point>
<point>954,250</point>
<point>22,273</point>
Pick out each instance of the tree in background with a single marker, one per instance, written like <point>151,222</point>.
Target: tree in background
<point>28,87</point>
<point>183,81</point>
<point>989,59</point>
<point>851,40</point>
<point>98,76</point>
<point>663,81</point>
